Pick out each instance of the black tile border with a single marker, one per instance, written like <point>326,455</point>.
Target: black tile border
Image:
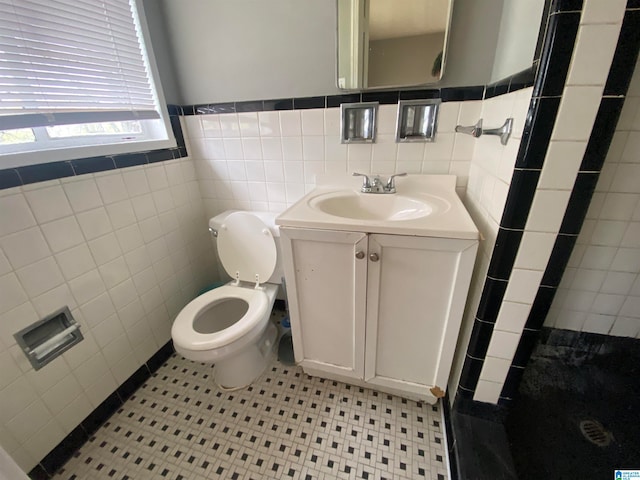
<point>336,100</point>
<point>625,56</point>
<point>9,178</point>
<point>18,176</point>
<point>618,80</point>
<point>519,199</point>
<point>478,345</point>
<point>62,452</point>
<point>517,81</point>
<point>511,383</point>
<point>579,201</point>
<point>15,177</point>
<point>559,36</point>
<point>603,130</point>
<point>566,6</point>
<point>560,253</point>
<point>526,345</point>
<point>492,294</point>
<point>540,307</point>
<point>471,372</point>
<point>505,251</point>
<point>537,132</point>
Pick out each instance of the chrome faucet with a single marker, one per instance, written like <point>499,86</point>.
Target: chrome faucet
<point>374,184</point>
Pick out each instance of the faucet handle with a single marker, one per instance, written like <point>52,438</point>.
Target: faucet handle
<point>391,184</point>
<point>366,182</point>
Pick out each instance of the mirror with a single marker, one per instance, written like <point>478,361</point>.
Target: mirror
<point>391,43</point>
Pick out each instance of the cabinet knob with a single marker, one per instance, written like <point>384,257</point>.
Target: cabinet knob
<point>359,254</point>
<point>373,257</point>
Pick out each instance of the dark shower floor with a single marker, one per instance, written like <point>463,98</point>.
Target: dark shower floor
<point>573,377</point>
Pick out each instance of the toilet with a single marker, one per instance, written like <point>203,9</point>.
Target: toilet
<point>229,326</point>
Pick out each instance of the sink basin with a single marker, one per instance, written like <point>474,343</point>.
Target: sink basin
<point>366,206</point>
<point>424,205</point>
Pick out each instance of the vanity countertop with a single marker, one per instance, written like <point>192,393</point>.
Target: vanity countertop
<point>424,205</point>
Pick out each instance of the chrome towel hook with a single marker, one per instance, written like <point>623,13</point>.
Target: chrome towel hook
<point>504,132</point>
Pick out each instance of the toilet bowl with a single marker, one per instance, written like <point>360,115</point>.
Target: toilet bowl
<point>230,326</point>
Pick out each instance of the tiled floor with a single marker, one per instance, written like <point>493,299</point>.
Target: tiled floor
<point>287,425</point>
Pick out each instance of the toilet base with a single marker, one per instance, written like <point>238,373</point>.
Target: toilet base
<point>240,370</point>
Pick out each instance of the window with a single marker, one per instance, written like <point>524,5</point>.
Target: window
<point>76,81</point>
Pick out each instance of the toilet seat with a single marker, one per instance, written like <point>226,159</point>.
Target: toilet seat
<point>186,336</point>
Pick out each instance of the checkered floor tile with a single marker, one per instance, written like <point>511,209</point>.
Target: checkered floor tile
<point>178,425</point>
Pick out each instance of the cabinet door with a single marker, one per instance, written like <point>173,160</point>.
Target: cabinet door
<point>416,295</point>
<point>326,288</point>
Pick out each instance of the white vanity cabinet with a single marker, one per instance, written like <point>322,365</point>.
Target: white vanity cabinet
<point>377,309</point>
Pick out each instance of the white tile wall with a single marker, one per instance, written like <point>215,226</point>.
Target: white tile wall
<point>268,160</point>
<point>125,250</point>
<point>488,184</point>
<point>597,292</point>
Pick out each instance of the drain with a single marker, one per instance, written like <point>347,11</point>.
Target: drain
<point>595,433</point>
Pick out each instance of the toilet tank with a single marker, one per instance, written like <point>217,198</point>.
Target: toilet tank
<point>269,219</point>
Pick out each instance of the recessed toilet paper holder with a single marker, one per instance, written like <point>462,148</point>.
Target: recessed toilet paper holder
<point>49,338</point>
<point>504,132</point>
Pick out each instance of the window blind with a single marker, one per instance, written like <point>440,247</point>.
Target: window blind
<point>71,61</point>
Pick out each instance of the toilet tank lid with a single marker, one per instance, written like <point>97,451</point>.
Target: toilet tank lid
<point>268,218</point>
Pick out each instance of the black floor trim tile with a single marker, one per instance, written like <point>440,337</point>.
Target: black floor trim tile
<point>64,450</point>
<point>160,357</point>
<point>38,473</point>
<point>131,384</point>
<point>101,413</point>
